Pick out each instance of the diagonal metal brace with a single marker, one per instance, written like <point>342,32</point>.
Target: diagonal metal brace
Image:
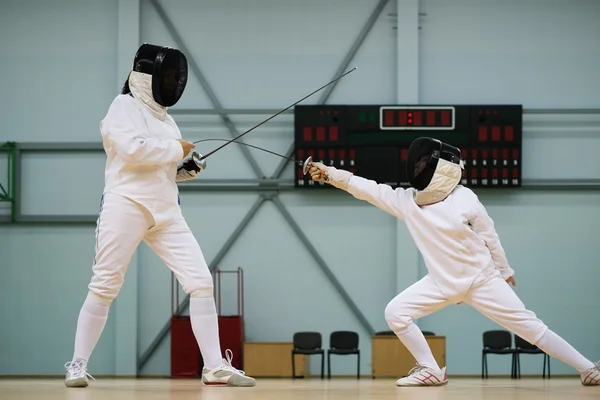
<point>343,66</point>
<point>315,254</point>
<point>206,86</point>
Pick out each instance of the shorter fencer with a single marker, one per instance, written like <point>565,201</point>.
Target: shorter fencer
<point>462,252</point>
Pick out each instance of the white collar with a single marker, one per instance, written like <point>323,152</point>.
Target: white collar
<point>141,87</point>
<point>447,175</point>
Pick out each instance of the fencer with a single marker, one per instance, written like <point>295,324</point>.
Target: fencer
<point>146,157</point>
<point>462,252</point>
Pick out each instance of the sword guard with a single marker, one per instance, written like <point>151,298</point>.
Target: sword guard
<point>198,160</point>
<point>307,164</point>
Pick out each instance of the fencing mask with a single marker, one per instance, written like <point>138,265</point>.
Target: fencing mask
<point>165,71</point>
<point>434,168</point>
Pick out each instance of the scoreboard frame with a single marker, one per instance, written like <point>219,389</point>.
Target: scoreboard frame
<point>351,137</point>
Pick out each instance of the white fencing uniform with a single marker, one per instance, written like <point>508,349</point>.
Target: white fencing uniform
<point>466,263</point>
<point>460,247</point>
<point>140,200</point>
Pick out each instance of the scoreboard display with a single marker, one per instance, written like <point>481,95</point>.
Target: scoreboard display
<point>372,141</point>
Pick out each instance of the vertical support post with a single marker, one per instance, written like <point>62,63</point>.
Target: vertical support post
<point>407,54</point>
<point>8,194</point>
<point>125,307</point>
<point>407,92</point>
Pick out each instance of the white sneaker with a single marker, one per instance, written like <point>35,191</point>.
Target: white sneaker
<point>424,376</point>
<point>76,375</point>
<point>591,377</point>
<point>226,374</point>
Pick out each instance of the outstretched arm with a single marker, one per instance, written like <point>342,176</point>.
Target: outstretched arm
<point>483,225</point>
<point>123,128</point>
<point>380,195</point>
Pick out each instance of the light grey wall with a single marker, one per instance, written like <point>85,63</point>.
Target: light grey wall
<point>267,54</point>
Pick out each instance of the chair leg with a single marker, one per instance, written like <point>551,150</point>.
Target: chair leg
<point>293,367</point>
<point>486,367</point>
<point>358,366</point>
<point>544,368</point>
<point>518,366</point>
<point>328,365</point>
<point>482,365</point>
<point>322,366</point>
<point>513,366</point>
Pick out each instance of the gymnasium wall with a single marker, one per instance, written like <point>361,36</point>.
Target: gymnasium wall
<point>63,63</point>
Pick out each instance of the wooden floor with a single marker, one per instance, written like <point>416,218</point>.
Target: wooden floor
<point>336,389</point>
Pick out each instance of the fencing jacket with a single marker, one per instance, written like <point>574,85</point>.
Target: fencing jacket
<point>456,236</point>
<point>142,153</point>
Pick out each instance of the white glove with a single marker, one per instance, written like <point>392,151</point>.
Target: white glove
<point>189,169</point>
<point>319,172</point>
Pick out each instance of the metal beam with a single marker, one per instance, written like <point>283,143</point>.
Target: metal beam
<point>57,219</point>
<point>342,67</point>
<point>362,35</point>
<point>206,86</point>
<point>237,185</point>
<point>218,258</point>
<point>61,147</point>
<point>326,270</point>
<point>230,111</point>
<point>562,111</point>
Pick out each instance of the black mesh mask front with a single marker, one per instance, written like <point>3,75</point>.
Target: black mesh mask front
<point>169,71</point>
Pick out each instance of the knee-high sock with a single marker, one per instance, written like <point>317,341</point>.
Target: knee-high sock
<point>91,322</point>
<point>557,347</point>
<point>203,315</point>
<point>415,342</point>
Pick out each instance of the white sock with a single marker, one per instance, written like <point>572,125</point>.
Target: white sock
<point>91,322</point>
<point>203,315</point>
<point>415,342</point>
<point>559,348</point>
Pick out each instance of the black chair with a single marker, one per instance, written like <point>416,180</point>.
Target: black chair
<point>524,347</point>
<point>497,342</point>
<point>343,343</point>
<point>428,333</point>
<point>308,343</point>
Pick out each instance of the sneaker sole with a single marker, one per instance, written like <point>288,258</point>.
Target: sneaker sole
<point>81,382</point>
<point>424,385</point>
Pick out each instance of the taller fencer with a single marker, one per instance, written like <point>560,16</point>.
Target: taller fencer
<point>462,252</point>
<point>146,157</point>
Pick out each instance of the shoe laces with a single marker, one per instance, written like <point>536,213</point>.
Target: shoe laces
<point>227,361</point>
<point>416,369</point>
<point>78,366</point>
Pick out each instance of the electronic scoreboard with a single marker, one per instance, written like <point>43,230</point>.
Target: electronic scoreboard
<point>372,140</point>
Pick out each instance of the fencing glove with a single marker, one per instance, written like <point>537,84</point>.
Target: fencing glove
<point>190,168</point>
<point>339,178</point>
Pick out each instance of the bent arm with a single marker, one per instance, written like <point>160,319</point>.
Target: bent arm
<point>382,196</point>
<point>122,129</point>
<point>483,225</point>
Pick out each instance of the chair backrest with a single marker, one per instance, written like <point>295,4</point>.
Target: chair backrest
<point>384,333</point>
<point>343,340</point>
<point>307,340</point>
<point>497,340</point>
<point>428,333</point>
<point>521,343</point>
